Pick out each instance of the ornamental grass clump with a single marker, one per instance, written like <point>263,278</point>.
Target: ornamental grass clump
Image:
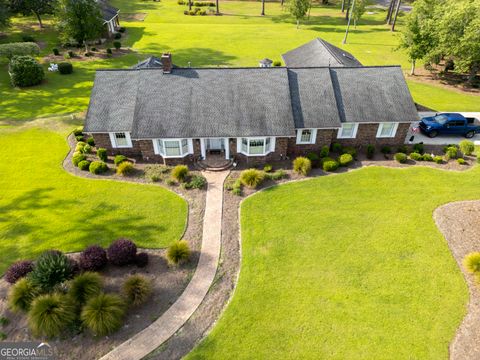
<point>103,314</point>
<point>471,263</point>
<point>18,270</point>
<point>21,295</point>
<point>51,269</point>
<point>93,258</point>
<point>467,147</point>
<point>51,314</point>
<point>118,159</point>
<point>85,286</point>
<point>125,168</point>
<point>180,173</point>
<point>302,165</point>
<point>252,177</point>
<point>137,289</point>
<point>178,252</point>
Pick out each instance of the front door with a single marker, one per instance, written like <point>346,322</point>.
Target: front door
<point>215,145</point>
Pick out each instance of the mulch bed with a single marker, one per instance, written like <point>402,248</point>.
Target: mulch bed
<point>460,224</point>
<point>134,16</point>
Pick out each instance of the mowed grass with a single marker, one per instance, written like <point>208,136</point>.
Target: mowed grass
<point>43,207</point>
<point>349,266</point>
<point>240,37</point>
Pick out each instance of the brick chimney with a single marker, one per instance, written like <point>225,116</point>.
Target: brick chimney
<point>167,63</point>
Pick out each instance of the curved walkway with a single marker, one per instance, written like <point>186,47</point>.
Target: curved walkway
<point>459,224</point>
<point>172,320</point>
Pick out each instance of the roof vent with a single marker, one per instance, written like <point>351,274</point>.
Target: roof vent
<point>167,63</point>
<point>265,63</point>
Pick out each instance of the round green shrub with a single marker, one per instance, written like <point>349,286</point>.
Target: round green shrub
<point>117,45</point>
<point>277,63</point>
<point>137,289</point>
<point>98,167</point>
<point>197,182</point>
<point>471,262</point>
<point>350,150</point>
<point>55,51</point>
<point>51,314</point>
<point>119,159</point>
<point>386,150</point>
<point>451,153</point>
<point>401,157</point>
<point>102,154</point>
<point>84,165</point>
<point>178,252</point>
<point>370,151</point>
<point>302,165</point>
<point>314,159</point>
<point>25,71</point>
<point>267,168</point>
<point>51,269</point>
<point>65,68</point>
<point>78,131</point>
<point>337,148</point>
<point>427,157</point>
<point>416,156</point>
<point>467,147</point>
<point>180,173</point>
<point>91,141</point>
<point>461,161</point>
<point>109,51</point>
<point>251,177</point>
<point>402,149</point>
<point>87,149</point>
<point>324,152</point>
<point>438,159</point>
<point>80,145</point>
<point>77,158</point>
<point>103,314</point>
<point>125,168</point>
<point>117,36</point>
<point>21,295</point>
<point>85,286</point>
<point>330,165</point>
<point>345,159</point>
<point>419,148</point>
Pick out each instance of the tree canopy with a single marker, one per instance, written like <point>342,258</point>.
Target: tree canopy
<point>298,9</point>
<point>35,7</point>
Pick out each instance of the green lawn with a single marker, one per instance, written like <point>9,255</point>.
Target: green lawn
<point>240,37</point>
<point>44,207</point>
<point>349,266</point>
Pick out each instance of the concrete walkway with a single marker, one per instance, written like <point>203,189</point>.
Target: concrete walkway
<point>173,319</point>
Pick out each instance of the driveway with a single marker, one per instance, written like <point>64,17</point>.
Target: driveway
<point>441,139</point>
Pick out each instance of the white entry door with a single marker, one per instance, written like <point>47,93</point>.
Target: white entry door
<point>215,144</point>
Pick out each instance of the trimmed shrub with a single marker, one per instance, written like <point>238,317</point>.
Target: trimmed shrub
<point>350,150</point>
<point>103,314</point>
<point>251,178</point>
<point>51,314</point>
<point>122,29</point>
<point>78,131</point>
<point>91,141</point>
<point>401,157</point>
<point>125,168</point>
<point>337,148</point>
<point>117,45</point>
<point>98,167</point>
<point>84,165</point>
<point>277,63</point>
<point>51,269</point>
<point>122,252</point>
<point>119,159</point>
<point>330,164</point>
<point>136,289</point>
<point>18,270</point>
<point>416,156</point>
<point>461,161</point>
<point>467,147</point>
<point>446,147</point>
<point>55,51</point>
<point>267,168</point>
<point>117,36</point>
<point>419,148</point>
<point>438,159</point>
<point>451,153</point>
<point>141,259</point>
<point>427,157</point>
<point>402,149</point>
<point>65,68</point>
<point>324,152</point>
<point>471,262</point>
<point>85,286</point>
<point>93,258</point>
<point>302,165</point>
<point>21,295</point>
<point>102,154</point>
<point>314,159</point>
<point>79,146</point>
<point>386,150</point>
<point>370,151</point>
<point>345,159</point>
<point>180,173</point>
<point>86,149</point>
<point>79,137</point>
<point>178,252</point>
<point>19,49</point>
<point>28,38</point>
<point>25,71</point>
<point>109,51</point>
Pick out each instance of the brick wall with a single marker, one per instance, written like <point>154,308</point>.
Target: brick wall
<point>103,141</point>
<point>281,148</point>
<point>324,137</point>
<point>367,134</point>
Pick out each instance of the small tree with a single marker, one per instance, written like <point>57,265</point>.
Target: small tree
<point>35,7</point>
<point>298,9</point>
<point>25,71</point>
<point>80,20</point>
<point>358,11</point>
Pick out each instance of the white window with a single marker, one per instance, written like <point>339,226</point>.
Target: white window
<point>256,146</point>
<point>348,131</point>
<point>306,136</point>
<point>120,140</point>
<point>387,130</point>
<point>173,147</point>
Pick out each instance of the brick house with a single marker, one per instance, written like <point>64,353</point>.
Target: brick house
<point>176,115</point>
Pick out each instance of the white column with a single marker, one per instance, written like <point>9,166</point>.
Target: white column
<point>202,149</point>
<point>227,148</point>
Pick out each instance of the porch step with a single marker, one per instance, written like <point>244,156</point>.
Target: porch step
<point>205,166</point>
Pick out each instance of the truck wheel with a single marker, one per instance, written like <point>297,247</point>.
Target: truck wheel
<point>433,133</point>
<point>470,134</point>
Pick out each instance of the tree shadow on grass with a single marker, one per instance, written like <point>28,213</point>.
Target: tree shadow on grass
<point>321,20</point>
<point>197,57</point>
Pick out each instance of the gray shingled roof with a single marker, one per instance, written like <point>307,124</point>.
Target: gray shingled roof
<point>151,63</point>
<point>313,98</point>
<point>108,12</point>
<point>373,94</point>
<point>319,53</point>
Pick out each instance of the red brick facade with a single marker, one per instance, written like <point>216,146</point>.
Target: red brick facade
<point>284,146</point>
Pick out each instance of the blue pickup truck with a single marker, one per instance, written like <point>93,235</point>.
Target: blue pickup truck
<point>449,123</point>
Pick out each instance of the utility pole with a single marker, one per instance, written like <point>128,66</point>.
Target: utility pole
<point>348,25</point>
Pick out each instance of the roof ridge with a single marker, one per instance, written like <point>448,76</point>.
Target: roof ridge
<point>326,44</point>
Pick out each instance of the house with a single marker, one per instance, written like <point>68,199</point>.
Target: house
<point>254,115</point>
<point>319,53</point>
<point>110,17</point>
<point>150,63</point>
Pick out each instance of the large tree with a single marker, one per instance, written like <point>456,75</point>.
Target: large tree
<point>298,8</point>
<point>4,14</point>
<point>80,20</point>
<point>35,7</point>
